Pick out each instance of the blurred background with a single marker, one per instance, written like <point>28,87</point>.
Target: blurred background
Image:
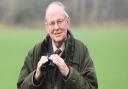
<point>31,12</point>
<point>101,24</point>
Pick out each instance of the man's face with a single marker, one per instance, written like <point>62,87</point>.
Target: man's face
<point>57,25</point>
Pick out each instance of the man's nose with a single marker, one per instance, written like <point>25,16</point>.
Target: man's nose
<point>56,26</point>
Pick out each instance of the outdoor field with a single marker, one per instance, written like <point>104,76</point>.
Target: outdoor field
<point>108,47</point>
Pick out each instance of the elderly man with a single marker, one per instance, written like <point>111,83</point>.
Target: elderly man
<point>60,61</point>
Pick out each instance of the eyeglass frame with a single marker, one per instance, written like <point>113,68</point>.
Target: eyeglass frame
<point>59,22</point>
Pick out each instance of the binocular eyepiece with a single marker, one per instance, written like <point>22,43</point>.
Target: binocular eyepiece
<point>47,65</point>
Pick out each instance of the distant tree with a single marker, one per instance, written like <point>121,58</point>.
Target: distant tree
<point>119,10</point>
<point>80,11</point>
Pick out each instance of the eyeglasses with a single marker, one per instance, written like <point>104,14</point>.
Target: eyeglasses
<point>59,22</point>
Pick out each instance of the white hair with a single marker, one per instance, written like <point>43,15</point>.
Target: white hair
<point>58,4</point>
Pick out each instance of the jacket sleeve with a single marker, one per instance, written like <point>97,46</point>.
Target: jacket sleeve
<point>26,76</point>
<point>85,77</point>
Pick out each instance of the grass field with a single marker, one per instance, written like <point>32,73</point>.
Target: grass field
<point>108,47</point>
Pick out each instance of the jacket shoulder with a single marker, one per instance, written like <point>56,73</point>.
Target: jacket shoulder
<point>81,51</point>
<point>34,49</point>
<point>80,44</point>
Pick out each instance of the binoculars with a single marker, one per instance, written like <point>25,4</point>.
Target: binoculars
<point>47,65</point>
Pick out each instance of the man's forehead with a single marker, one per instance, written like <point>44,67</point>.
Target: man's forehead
<point>53,10</point>
<point>55,7</point>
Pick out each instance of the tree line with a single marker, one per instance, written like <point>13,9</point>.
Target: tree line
<point>80,11</point>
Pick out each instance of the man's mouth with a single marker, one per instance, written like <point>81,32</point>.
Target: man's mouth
<point>57,34</point>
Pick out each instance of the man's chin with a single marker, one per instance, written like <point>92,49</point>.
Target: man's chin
<point>58,40</point>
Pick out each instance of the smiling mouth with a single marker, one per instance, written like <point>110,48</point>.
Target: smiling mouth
<point>57,34</point>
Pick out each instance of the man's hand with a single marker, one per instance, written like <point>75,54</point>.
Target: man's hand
<point>59,62</point>
<point>38,74</point>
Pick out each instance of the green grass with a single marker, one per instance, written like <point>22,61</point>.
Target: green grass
<point>108,47</point>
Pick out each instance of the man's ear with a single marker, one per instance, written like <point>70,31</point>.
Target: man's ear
<point>68,22</point>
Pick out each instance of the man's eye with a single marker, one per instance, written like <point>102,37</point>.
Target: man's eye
<point>52,23</point>
<point>60,21</point>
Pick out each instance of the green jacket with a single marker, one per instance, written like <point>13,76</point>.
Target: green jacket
<point>82,72</point>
